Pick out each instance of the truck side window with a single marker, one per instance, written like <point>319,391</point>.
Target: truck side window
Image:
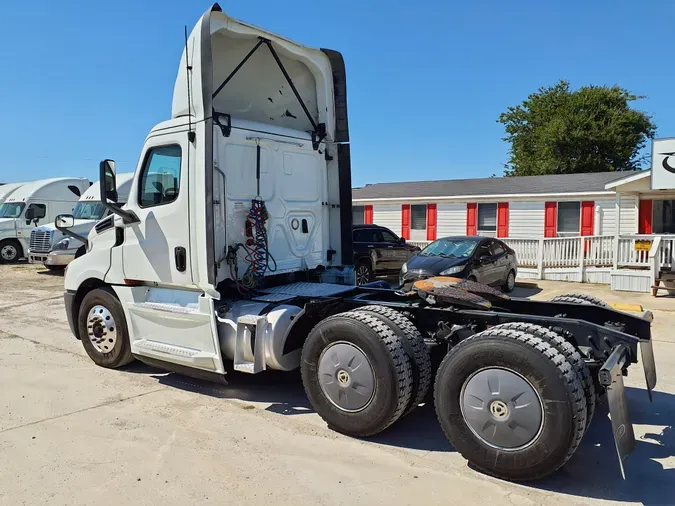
<point>160,177</point>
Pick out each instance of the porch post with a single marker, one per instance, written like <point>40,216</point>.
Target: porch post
<point>617,228</point>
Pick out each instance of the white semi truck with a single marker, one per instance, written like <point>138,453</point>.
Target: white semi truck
<point>31,204</point>
<point>56,244</point>
<point>242,255</point>
<point>7,189</point>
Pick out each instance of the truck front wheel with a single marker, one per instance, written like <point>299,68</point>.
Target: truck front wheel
<point>103,329</point>
<point>511,404</point>
<point>10,251</point>
<point>356,373</point>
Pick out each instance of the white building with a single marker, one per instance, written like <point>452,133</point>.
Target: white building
<point>577,227</point>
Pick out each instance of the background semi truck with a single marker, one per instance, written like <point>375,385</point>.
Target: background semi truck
<point>32,204</point>
<point>7,189</point>
<point>242,259</point>
<point>57,248</point>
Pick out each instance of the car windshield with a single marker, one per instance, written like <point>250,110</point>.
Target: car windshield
<point>89,211</point>
<point>451,248</point>
<point>12,210</point>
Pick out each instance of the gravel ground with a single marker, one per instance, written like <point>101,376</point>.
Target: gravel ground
<point>72,433</point>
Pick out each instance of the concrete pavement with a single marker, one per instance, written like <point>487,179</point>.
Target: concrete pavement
<point>72,433</point>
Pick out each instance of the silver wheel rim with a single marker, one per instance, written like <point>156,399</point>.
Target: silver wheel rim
<point>8,252</point>
<point>362,275</point>
<point>511,281</point>
<point>102,329</point>
<point>346,376</point>
<point>502,409</point>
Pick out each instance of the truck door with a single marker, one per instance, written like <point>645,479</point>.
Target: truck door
<point>174,322</point>
<point>157,247</point>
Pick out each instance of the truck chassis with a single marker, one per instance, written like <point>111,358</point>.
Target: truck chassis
<point>516,380</point>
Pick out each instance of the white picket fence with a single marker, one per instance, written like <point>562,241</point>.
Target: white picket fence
<point>593,259</point>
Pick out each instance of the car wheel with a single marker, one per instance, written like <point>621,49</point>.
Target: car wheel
<point>364,273</point>
<point>510,282</point>
<point>473,278</point>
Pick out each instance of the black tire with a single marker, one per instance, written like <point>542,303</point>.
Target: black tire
<point>579,298</point>
<point>569,352</point>
<point>120,354</point>
<point>80,251</point>
<point>393,379</point>
<point>473,278</point>
<point>508,287</point>
<point>363,273</point>
<point>563,419</point>
<point>55,268</point>
<point>415,347</point>
<point>10,251</point>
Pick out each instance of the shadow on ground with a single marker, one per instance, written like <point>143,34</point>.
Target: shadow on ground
<point>525,291</point>
<point>592,472</point>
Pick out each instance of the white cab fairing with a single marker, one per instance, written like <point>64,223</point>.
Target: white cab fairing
<point>262,105</point>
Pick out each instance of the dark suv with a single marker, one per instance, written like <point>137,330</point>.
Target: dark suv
<point>378,252</point>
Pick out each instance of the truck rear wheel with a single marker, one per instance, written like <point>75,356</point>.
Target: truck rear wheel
<point>10,251</point>
<point>569,352</point>
<point>510,403</point>
<point>356,373</point>
<point>103,329</point>
<point>579,298</point>
<point>415,347</point>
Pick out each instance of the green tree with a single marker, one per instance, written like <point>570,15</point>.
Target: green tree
<point>592,129</point>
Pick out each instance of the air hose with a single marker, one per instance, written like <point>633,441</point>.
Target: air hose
<point>258,255</point>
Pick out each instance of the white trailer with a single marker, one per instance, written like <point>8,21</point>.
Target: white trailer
<point>55,245</point>
<point>241,253</point>
<point>31,204</point>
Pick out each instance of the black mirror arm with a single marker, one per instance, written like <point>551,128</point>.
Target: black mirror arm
<point>127,216</point>
<point>68,233</point>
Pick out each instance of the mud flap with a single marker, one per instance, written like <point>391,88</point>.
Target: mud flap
<point>611,376</point>
<point>648,364</point>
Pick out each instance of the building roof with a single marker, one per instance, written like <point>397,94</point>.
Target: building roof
<point>520,185</point>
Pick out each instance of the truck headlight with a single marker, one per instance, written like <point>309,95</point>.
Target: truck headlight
<point>62,244</point>
<point>452,270</point>
<point>404,269</point>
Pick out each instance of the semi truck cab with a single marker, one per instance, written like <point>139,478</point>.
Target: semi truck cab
<point>56,245</point>
<point>248,184</point>
<point>33,204</point>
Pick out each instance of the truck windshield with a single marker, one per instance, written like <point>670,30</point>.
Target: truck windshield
<point>89,211</point>
<point>12,210</point>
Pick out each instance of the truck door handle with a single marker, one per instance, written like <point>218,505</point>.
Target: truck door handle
<point>181,258</point>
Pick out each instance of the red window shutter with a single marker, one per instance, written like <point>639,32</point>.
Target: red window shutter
<point>645,217</point>
<point>405,221</point>
<point>587,216</point>
<point>550,219</point>
<point>472,218</point>
<point>368,215</point>
<point>503,219</point>
<point>431,222</point>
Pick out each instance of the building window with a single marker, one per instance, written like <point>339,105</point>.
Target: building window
<point>569,219</point>
<point>418,217</point>
<point>487,219</point>
<point>357,215</point>
<point>664,217</point>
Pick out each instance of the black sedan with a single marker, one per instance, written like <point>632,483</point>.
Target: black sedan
<point>481,259</point>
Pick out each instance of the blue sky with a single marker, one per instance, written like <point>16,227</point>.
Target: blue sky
<point>83,81</point>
